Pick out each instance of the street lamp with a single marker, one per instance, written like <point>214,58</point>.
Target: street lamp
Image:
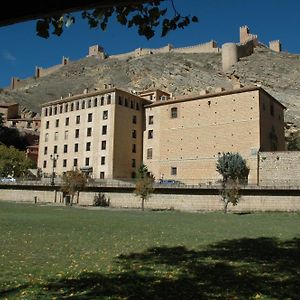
<point>54,158</point>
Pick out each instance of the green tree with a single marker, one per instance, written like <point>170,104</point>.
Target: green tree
<point>144,184</point>
<point>147,16</point>
<point>74,181</point>
<point>234,170</point>
<point>13,162</point>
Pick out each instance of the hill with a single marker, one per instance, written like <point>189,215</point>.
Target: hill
<point>178,73</point>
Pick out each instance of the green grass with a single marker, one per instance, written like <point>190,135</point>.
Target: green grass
<point>49,252</point>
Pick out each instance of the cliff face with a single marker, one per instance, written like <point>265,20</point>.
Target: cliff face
<point>177,73</point>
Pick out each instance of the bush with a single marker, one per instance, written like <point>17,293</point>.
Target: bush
<point>101,200</point>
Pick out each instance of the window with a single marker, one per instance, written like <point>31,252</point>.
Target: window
<point>134,133</point>
<point>133,175</point>
<point>150,134</point>
<point>120,100</point>
<point>66,135</point>
<point>47,124</point>
<point>65,148</point>
<point>174,112</point>
<point>131,104</point>
<point>101,175</point>
<point>89,105</point>
<point>87,161</point>
<point>54,163</point>
<point>104,129</point>
<point>64,163</point>
<point>102,160</point>
<point>102,101</point>
<point>76,147</point>
<point>45,164</point>
<point>76,133</point>
<point>46,137</point>
<point>83,104</point>
<point>133,119</point>
<point>55,136</point>
<point>45,150</point>
<point>133,163</point>
<point>55,110</point>
<point>103,145</point>
<point>60,109</point>
<point>56,123</point>
<point>105,115</point>
<point>108,99</point>
<point>77,119</point>
<point>137,106</point>
<point>88,146</point>
<point>126,102</point>
<point>149,153</point>
<point>150,120</point>
<point>46,112</point>
<point>72,106</point>
<point>77,105</point>
<point>67,121</point>
<point>90,117</point>
<point>55,150</point>
<point>75,162</point>
<point>66,107</point>
<point>95,102</point>
<point>133,148</point>
<point>174,171</point>
<point>89,131</point>
<point>50,111</point>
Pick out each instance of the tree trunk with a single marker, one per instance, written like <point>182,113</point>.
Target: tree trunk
<point>226,202</point>
<point>71,200</point>
<point>77,197</point>
<point>143,203</point>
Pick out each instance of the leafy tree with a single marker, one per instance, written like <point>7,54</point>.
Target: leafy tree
<point>74,181</point>
<point>294,144</point>
<point>1,120</point>
<point>13,162</point>
<point>144,184</point>
<point>234,170</point>
<point>147,16</point>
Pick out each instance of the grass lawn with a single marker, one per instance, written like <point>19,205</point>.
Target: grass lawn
<point>51,252</point>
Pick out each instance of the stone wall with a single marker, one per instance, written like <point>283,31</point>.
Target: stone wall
<point>279,168</point>
<point>179,199</point>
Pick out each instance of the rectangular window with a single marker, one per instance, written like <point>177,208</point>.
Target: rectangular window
<point>77,105</point>
<point>150,120</point>
<point>149,153</point>
<point>134,133</point>
<point>105,115</point>
<point>133,148</point>
<point>67,121</point>
<point>90,117</point>
<point>88,146</point>
<point>64,163</point>
<point>133,163</point>
<point>133,119</point>
<point>55,136</point>
<point>45,150</point>
<point>60,109</point>
<point>65,148</point>
<point>76,133</point>
<point>57,123</point>
<point>75,162</point>
<point>77,119</point>
<point>87,161</point>
<point>102,160</point>
<point>150,134</point>
<point>173,171</point>
<point>174,112</point>
<point>66,135</point>
<point>76,147</point>
<point>46,137</point>
<point>47,124</point>
<point>101,175</point>
<point>55,149</point>
<point>104,129</point>
<point>89,131</point>
<point>54,163</point>
<point>103,145</point>
<point>45,164</point>
<point>89,105</point>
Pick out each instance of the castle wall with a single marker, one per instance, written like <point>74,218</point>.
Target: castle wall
<point>209,47</point>
<point>275,45</point>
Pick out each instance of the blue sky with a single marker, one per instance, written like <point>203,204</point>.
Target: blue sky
<point>21,50</point>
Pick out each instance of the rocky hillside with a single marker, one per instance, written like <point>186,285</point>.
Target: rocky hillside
<point>177,73</point>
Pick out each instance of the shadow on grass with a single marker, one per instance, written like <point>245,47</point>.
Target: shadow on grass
<point>233,269</point>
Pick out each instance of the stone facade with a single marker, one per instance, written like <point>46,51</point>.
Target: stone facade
<point>100,132</point>
<point>184,136</point>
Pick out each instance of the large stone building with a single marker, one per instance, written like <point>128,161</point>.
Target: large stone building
<point>99,132</point>
<point>184,136</point>
<point>110,132</point>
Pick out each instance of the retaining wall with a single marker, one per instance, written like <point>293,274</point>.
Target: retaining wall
<point>186,199</point>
